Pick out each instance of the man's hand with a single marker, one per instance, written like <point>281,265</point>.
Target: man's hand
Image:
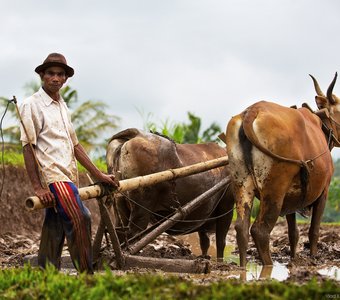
<point>46,196</point>
<point>109,179</point>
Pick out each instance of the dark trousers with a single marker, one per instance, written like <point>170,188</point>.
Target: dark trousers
<point>71,220</point>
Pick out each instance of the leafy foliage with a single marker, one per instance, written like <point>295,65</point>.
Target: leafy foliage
<point>11,133</point>
<point>91,121</point>
<point>337,168</point>
<point>185,133</point>
<point>332,209</point>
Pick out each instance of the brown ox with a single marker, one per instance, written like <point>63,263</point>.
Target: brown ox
<point>282,156</point>
<point>135,153</point>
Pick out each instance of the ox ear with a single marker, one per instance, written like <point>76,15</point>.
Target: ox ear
<point>321,102</point>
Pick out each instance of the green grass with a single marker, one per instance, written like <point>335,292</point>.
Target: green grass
<point>30,283</point>
<point>100,163</point>
<point>15,158</point>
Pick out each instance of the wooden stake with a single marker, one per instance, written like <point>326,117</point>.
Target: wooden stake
<point>167,265</point>
<point>105,216</point>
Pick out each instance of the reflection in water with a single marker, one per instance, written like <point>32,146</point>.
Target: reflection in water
<point>332,272</point>
<point>277,271</point>
<point>253,271</point>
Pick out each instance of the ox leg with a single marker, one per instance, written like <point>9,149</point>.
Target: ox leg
<point>242,234</point>
<point>293,233</point>
<point>262,227</point>
<point>140,212</point>
<point>122,211</point>
<point>204,242</point>
<point>138,222</point>
<point>243,207</point>
<point>222,226</point>
<point>314,228</point>
<point>271,202</point>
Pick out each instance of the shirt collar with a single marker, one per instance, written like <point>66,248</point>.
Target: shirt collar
<point>46,98</point>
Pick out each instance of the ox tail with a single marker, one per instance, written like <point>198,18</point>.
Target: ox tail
<point>246,147</point>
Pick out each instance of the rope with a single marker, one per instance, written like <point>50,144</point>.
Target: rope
<point>182,221</point>
<point>3,150</point>
<point>336,123</point>
<point>154,225</point>
<point>302,163</point>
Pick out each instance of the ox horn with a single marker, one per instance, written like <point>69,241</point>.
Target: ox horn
<point>330,89</point>
<point>317,87</point>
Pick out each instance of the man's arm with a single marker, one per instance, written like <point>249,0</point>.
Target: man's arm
<point>42,192</point>
<point>86,162</point>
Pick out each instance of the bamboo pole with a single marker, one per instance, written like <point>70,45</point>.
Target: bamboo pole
<point>94,191</point>
<point>33,203</point>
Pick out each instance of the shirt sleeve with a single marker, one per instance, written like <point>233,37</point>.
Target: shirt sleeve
<point>32,125</point>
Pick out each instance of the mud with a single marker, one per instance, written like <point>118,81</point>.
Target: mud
<point>19,237</point>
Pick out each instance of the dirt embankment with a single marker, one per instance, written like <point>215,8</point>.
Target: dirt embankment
<point>13,216</point>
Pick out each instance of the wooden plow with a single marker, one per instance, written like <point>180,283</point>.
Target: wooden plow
<point>127,259</point>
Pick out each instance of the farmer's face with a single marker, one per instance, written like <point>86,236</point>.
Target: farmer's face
<point>53,79</point>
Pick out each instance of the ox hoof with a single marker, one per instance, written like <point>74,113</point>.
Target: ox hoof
<point>204,256</point>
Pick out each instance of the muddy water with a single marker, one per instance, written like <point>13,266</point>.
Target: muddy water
<point>331,272</point>
<point>254,270</point>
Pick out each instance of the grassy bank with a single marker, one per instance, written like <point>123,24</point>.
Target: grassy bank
<point>15,158</point>
<point>30,283</point>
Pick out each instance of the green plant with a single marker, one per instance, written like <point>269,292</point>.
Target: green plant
<point>184,132</point>
<point>31,283</point>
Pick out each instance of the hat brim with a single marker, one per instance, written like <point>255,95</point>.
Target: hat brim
<point>68,70</point>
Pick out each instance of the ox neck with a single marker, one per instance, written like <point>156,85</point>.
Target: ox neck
<point>328,124</point>
<point>328,129</point>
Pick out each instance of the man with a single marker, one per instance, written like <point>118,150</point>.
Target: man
<point>51,150</point>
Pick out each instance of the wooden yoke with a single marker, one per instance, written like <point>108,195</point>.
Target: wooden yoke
<point>96,191</point>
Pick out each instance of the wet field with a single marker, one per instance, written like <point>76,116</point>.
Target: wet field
<point>14,249</point>
<point>325,265</point>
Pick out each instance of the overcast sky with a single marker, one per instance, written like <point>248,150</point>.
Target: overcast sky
<point>167,57</point>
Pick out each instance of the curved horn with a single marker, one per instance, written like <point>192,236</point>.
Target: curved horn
<point>330,89</point>
<point>317,87</point>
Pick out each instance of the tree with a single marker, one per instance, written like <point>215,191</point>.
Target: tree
<point>184,133</point>
<point>90,119</point>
